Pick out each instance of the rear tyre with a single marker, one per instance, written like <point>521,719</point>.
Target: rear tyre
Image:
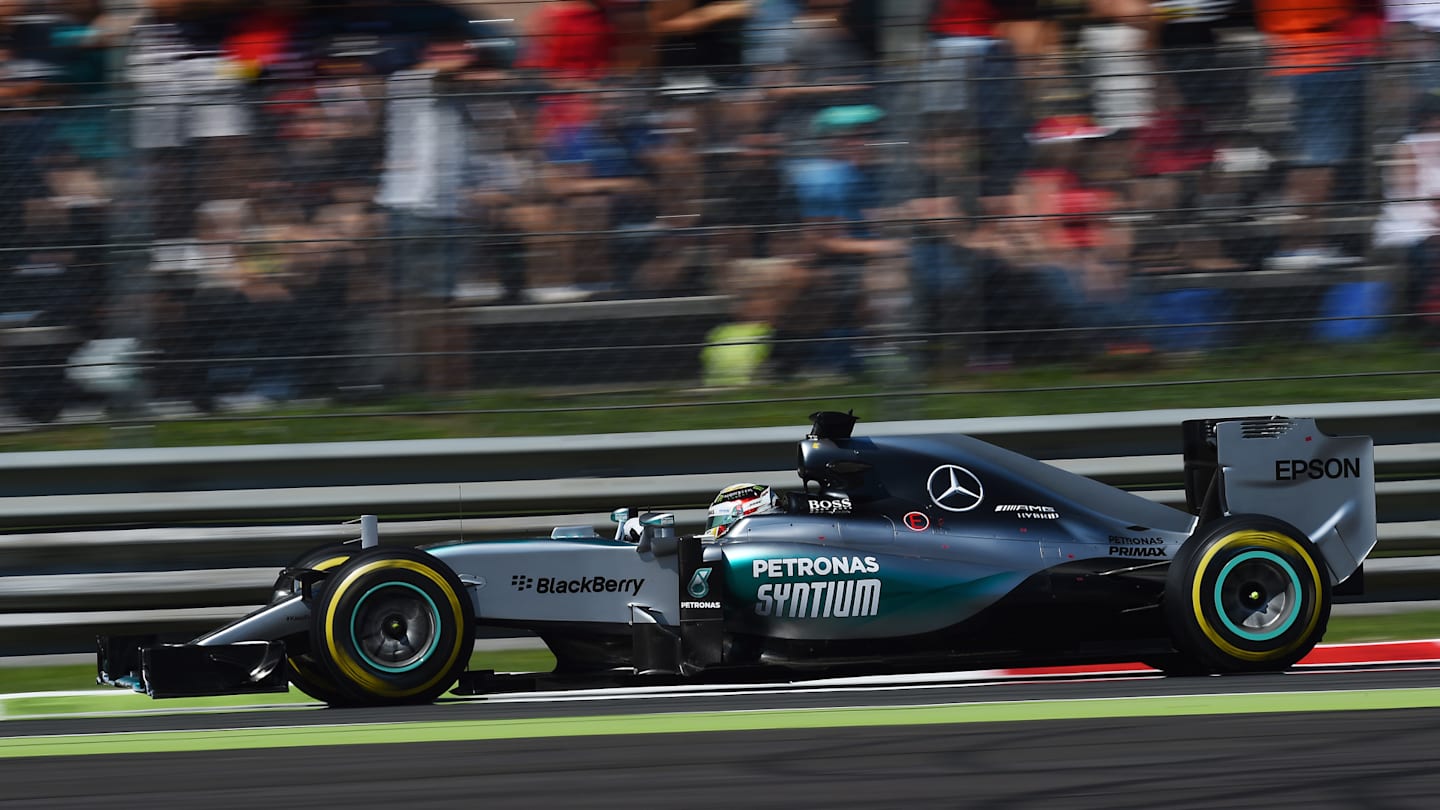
<point>392,626</point>
<point>1248,593</point>
<point>303,670</point>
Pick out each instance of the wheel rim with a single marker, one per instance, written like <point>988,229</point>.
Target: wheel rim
<point>395,627</point>
<point>1258,595</point>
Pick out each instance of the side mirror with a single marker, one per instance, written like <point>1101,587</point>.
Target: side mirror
<point>657,534</point>
<point>618,517</point>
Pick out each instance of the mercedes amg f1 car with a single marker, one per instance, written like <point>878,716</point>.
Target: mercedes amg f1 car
<point>893,554</point>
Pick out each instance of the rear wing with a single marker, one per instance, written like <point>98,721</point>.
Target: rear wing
<point>1287,468</point>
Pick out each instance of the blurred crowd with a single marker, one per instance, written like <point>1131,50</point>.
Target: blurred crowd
<point>280,199</point>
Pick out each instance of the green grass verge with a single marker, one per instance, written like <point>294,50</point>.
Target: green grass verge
<point>1418,624</point>
<point>987,393</point>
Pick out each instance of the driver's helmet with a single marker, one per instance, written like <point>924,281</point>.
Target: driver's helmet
<point>632,529</point>
<point>737,501</point>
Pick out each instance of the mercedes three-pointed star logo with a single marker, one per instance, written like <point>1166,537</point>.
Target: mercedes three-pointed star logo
<point>954,489</point>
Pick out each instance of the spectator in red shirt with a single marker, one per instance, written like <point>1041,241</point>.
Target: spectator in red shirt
<point>578,45</point>
<point>570,40</point>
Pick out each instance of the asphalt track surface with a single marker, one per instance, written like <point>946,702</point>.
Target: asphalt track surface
<point>1367,759</point>
<point>759,697</point>
<point>1341,759</point>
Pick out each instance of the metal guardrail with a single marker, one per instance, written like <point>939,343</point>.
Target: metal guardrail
<point>82,555</point>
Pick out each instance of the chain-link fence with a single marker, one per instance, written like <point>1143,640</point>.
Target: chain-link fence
<point>215,205</point>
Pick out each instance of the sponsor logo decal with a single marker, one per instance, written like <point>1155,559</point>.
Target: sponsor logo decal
<point>813,567</point>
<point>700,605</point>
<point>1023,510</point>
<point>954,489</point>
<point>741,493</point>
<point>596,584</point>
<point>699,586</point>
<point>824,599</point>
<point>827,506</point>
<point>1138,551</point>
<point>1122,540</point>
<point>917,521</point>
<point>840,598</point>
<point>1294,469</point>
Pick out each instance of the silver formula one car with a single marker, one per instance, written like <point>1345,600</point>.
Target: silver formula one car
<point>893,554</point>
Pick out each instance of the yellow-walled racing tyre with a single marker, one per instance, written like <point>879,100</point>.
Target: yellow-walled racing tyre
<point>392,626</point>
<point>303,670</point>
<point>1247,593</point>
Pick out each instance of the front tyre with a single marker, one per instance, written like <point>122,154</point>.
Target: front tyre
<point>1248,593</point>
<point>392,626</point>
<point>302,669</point>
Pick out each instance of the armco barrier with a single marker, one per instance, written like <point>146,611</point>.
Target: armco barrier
<point>350,464</point>
<point>179,539</point>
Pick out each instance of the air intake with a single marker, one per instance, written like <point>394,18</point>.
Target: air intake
<point>1265,428</point>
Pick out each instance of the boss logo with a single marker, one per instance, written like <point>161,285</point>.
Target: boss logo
<point>828,506</point>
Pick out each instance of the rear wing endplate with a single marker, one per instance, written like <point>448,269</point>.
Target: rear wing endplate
<point>1289,469</point>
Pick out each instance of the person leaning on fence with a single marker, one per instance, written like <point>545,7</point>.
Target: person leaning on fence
<point>1318,47</point>
<point>749,203</point>
<point>825,66</point>
<point>190,120</point>
<point>423,191</point>
<point>840,192</point>
<point>971,79</point>
<point>947,292</point>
